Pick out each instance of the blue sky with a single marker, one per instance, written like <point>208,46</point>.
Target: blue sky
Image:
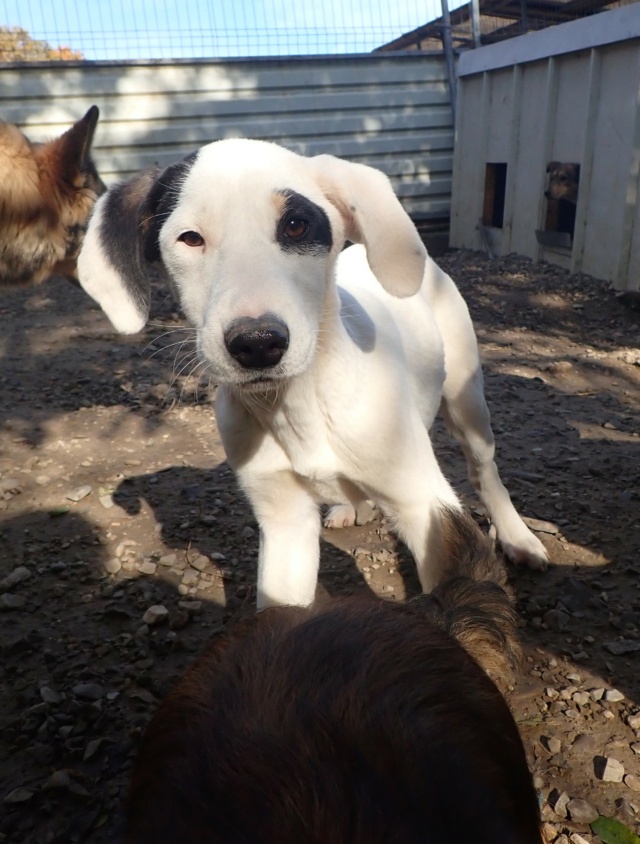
<point>140,29</point>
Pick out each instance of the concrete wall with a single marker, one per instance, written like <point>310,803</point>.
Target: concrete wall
<point>569,93</point>
<point>390,111</point>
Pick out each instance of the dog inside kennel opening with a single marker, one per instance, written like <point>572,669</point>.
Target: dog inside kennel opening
<point>562,199</point>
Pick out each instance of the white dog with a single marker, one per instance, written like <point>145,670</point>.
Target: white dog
<point>331,364</point>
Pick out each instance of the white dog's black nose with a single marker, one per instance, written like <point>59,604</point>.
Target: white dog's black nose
<point>257,343</point>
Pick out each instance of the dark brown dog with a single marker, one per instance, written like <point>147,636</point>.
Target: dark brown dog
<point>564,179</point>
<point>360,722</point>
<point>47,192</point>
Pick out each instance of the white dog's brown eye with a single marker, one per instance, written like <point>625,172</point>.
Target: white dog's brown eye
<point>192,238</point>
<point>295,228</point>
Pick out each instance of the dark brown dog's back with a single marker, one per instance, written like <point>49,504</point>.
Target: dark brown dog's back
<point>360,722</point>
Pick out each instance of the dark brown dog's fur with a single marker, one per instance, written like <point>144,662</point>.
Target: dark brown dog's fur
<point>47,192</point>
<point>360,722</point>
<point>564,179</point>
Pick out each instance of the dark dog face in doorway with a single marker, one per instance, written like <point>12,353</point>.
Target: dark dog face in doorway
<point>564,178</point>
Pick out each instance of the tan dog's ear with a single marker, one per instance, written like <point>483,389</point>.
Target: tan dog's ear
<point>373,216</point>
<point>72,150</point>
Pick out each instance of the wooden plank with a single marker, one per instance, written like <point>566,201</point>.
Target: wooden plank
<point>586,161</point>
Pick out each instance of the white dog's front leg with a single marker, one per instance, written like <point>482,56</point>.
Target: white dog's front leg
<point>289,555</point>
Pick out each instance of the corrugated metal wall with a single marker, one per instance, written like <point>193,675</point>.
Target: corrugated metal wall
<point>570,93</point>
<point>392,112</point>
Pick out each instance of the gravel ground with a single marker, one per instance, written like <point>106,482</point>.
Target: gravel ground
<point>115,501</point>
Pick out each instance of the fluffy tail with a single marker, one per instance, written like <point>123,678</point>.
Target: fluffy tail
<point>474,604</point>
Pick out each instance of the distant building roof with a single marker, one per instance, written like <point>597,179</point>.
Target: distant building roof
<point>499,19</point>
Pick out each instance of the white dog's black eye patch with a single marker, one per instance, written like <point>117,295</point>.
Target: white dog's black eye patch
<point>303,226</point>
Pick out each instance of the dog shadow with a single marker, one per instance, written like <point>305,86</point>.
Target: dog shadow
<point>203,513</point>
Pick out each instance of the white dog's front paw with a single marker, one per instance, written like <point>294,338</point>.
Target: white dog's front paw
<point>526,549</point>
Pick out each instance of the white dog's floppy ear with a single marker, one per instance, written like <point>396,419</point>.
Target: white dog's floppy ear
<point>121,244</point>
<point>374,217</point>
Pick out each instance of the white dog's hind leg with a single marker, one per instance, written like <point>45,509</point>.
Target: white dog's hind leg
<point>467,417</point>
<point>346,515</point>
<point>289,553</point>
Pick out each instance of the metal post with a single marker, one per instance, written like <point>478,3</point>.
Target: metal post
<point>475,22</point>
<point>447,46</point>
<point>524,16</point>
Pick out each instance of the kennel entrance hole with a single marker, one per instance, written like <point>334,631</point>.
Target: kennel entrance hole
<point>495,189</point>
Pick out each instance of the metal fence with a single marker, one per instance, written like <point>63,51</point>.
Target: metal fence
<point>168,29</point>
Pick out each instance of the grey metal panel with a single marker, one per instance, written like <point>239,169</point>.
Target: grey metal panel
<point>389,111</point>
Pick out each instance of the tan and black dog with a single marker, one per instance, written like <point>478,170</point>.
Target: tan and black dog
<point>47,192</point>
<point>564,179</point>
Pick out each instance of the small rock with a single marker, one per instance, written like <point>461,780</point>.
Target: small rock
<point>613,695</point>
<point>556,620</point>
<point>559,367</point>
<point>155,615</point>
<point>168,560</point>
<point>578,839</point>
<point>581,811</point>
<point>192,607</point>
<point>79,493</point>
<point>12,602</point>
<point>541,526</point>
<point>632,782</point>
<point>200,563</point>
<point>581,698</point>
<point>49,695</point>
<point>18,575</point>
<point>634,721</point>
<point>178,620</point>
<point>622,646</point>
<point>90,691</point>
<point>58,779</point>
<point>635,746</point>
<point>608,769</point>
<point>560,804</point>
<point>147,567</point>
<point>19,795</point>
<point>596,694</point>
<point>112,566</point>
<point>92,748</point>
<point>554,745</point>
<point>584,744</point>
<point>190,577</point>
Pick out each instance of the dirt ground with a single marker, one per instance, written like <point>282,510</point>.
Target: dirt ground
<point>115,497</point>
